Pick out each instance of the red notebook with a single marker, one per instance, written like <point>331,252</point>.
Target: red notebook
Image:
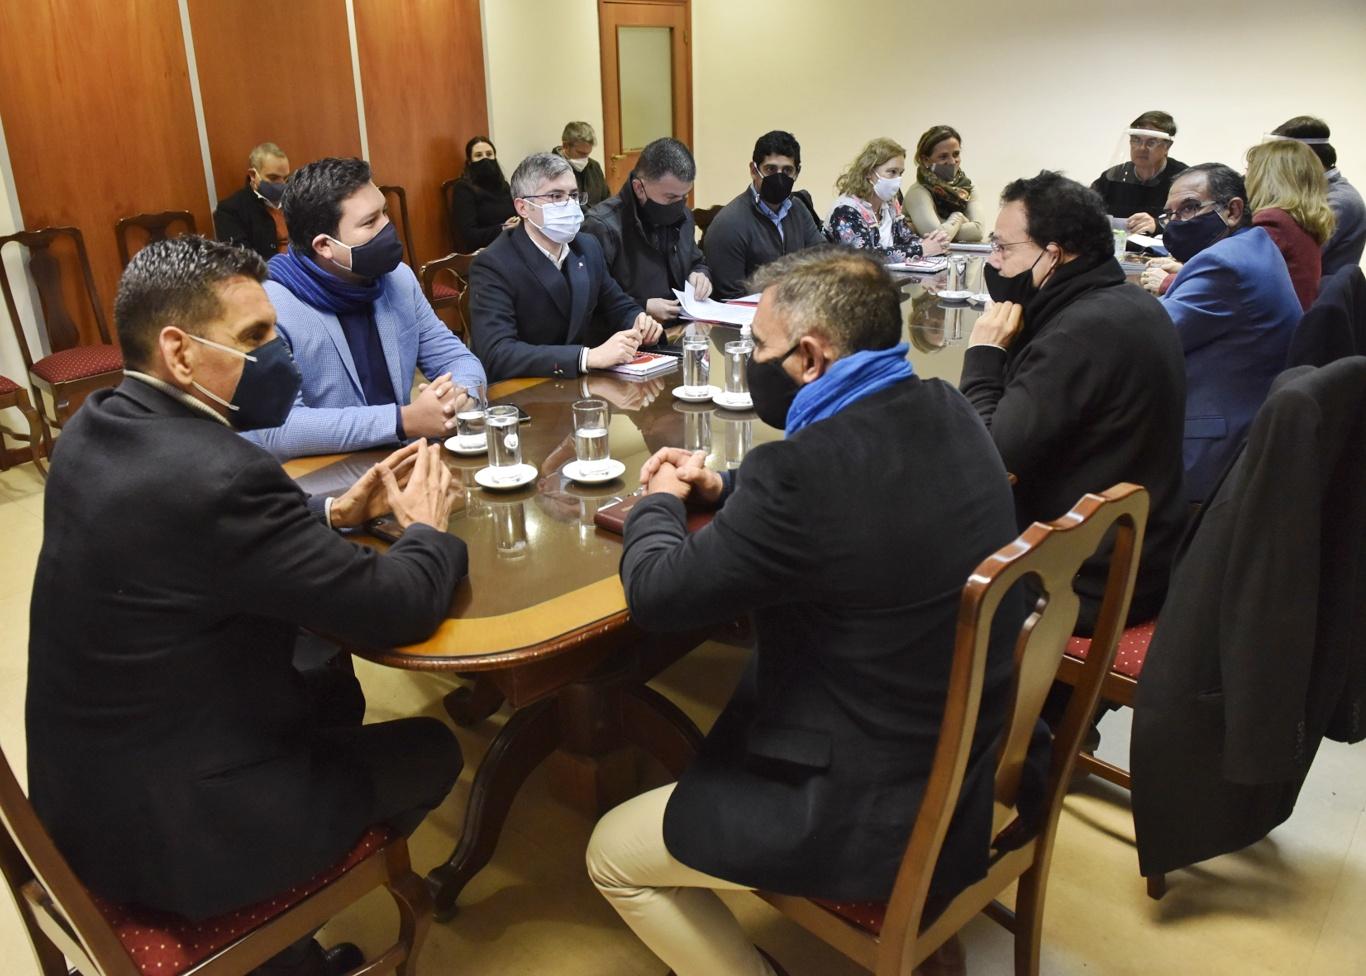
<point>612,518</point>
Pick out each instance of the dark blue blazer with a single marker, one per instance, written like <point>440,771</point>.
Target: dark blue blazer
<point>527,317</point>
<point>1235,311</point>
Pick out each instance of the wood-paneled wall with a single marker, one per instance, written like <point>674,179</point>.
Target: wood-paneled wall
<point>422,75</point>
<point>99,120</point>
<point>274,72</point>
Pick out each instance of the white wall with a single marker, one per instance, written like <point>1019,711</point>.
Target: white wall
<point>543,70</point>
<point>11,362</point>
<point>1046,84</point>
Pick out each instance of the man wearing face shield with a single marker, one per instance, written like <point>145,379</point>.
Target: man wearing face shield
<point>1235,311</point>
<point>838,714</point>
<point>1078,376</point>
<point>355,318</point>
<point>252,217</point>
<point>178,759</point>
<point>1136,190</point>
<point>648,237</point>
<point>764,222</point>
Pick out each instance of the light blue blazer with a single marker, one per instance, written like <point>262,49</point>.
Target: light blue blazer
<point>330,414</point>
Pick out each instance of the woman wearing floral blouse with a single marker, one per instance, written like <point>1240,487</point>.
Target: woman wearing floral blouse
<point>867,214</point>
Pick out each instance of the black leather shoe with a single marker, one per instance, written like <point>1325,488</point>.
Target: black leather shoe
<point>342,958</point>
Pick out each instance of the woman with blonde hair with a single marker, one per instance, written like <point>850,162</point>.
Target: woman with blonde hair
<point>867,213</point>
<point>1288,195</point>
<point>943,197</point>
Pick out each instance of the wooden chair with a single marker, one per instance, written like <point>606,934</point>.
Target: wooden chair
<point>72,370</point>
<point>702,217</point>
<point>64,919</point>
<point>405,228</point>
<point>891,938</point>
<point>447,206</point>
<point>14,395</point>
<point>154,227</point>
<point>446,283</point>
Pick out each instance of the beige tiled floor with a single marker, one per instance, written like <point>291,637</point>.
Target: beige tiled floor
<point>1293,904</point>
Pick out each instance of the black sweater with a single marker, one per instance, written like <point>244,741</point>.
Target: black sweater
<point>741,240</point>
<point>477,214</point>
<point>1091,393</point>
<point>1125,195</point>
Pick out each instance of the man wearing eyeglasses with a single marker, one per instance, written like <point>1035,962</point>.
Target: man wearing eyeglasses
<point>764,222</point>
<point>535,290</point>
<point>1235,311</point>
<point>1138,189</point>
<point>647,233</point>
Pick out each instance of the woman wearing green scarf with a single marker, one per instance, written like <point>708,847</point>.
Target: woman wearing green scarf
<point>943,197</point>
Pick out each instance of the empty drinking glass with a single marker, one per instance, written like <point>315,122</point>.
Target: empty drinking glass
<point>590,436</point>
<point>469,419</point>
<point>696,365</point>
<point>505,447</point>
<point>737,367</point>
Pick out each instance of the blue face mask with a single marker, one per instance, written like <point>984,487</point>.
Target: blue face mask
<point>265,393</point>
<point>273,193</point>
<point>1184,239</point>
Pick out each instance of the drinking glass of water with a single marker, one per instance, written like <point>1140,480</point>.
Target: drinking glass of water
<point>590,436</point>
<point>696,365</point>
<point>469,419</point>
<point>737,367</point>
<point>505,447</point>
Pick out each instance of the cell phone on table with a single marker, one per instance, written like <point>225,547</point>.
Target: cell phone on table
<point>385,527</point>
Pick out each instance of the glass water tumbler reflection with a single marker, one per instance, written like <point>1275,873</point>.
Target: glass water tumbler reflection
<point>737,367</point>
<point>737,436</point>
<point>696,365</point>
<point>505,448</point>
<point>590,436</point>
<point>697,431</point>
<point>509,529</point>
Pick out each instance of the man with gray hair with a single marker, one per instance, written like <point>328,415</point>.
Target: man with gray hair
<point>535,290</point>
<point>647,233</point>
<point>576,145</point>
<point>810,778</point>
<point>252,217</point>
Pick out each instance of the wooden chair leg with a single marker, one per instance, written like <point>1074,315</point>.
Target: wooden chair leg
<point>1157,885</point>
<point>37,434</point>
<point>1029,901</point>
<point>414,918</point>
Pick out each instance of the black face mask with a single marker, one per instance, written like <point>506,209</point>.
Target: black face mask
<point>1017,288</point>
<point>273,193</point>
<point>377,256</point>
<point>772,390</point>
<point>775,188</point>
<point>265,393</point>
<point>486,173</point>
<point>663,214</point>
<point>1184,239</point>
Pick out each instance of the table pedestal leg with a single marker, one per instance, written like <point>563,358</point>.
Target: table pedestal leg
<point>529,736</point>
<point>470,704</point>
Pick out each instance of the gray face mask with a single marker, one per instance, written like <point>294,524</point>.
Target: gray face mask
<point>945,171</point>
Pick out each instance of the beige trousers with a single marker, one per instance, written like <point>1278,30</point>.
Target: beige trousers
<point>672,908</point>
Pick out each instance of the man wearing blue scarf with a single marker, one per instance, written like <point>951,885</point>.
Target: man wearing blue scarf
<point>357,323</point>
<point>849,543</point>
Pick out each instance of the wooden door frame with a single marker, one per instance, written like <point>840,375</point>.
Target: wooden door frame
<point>611,81</point>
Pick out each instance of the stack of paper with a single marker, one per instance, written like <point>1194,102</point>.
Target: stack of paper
<point>706,310</point>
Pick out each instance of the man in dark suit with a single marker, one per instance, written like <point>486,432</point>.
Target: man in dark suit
<point>252,217</point>
<point>179,760</point>
<point>536,288</point>
<point>810,778</point>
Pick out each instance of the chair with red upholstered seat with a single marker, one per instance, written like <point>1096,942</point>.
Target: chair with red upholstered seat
<point>405,229</point>
<point>15,396</point>
<point>891,938</point>
<point>150,227</point>
<point>74,369</point>
<point>446,283</point>
<point>64,919</point>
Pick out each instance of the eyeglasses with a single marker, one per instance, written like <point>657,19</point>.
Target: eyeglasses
<point>557,197</point>
<point>998,246</point>
<point>1186,210</point>
<point>1138,142</point>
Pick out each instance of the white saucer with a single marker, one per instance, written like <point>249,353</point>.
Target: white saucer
<point>681,392</point>
<point>525,474</point>
<point>614,470</point>
<point>461,444</point>
<point>954,296</point>
<point>981,298</point>
<point>729,401</point>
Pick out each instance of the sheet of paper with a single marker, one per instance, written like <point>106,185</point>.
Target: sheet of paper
<point>706,310</point>
<point>1143,240</point>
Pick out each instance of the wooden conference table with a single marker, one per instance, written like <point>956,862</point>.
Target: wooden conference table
<point>542,616</point>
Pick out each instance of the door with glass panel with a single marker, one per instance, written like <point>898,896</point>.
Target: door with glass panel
<point>646,78</point>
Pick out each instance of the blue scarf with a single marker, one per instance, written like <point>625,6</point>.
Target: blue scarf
<point>847,380</point>
<point>319,288</point>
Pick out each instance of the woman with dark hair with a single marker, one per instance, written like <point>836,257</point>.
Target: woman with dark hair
<point>481,205</point>
<point>942,197</point>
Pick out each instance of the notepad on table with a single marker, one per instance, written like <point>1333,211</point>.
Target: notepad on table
<point>646,364</point>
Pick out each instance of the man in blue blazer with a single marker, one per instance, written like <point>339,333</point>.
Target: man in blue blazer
<point>534,290</point>
<point>1234,309</point>
<point>357,323</point>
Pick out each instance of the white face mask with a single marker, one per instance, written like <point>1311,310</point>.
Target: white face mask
<point>579,164</point>
<point>886,187</point>
<point>560,221</point>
